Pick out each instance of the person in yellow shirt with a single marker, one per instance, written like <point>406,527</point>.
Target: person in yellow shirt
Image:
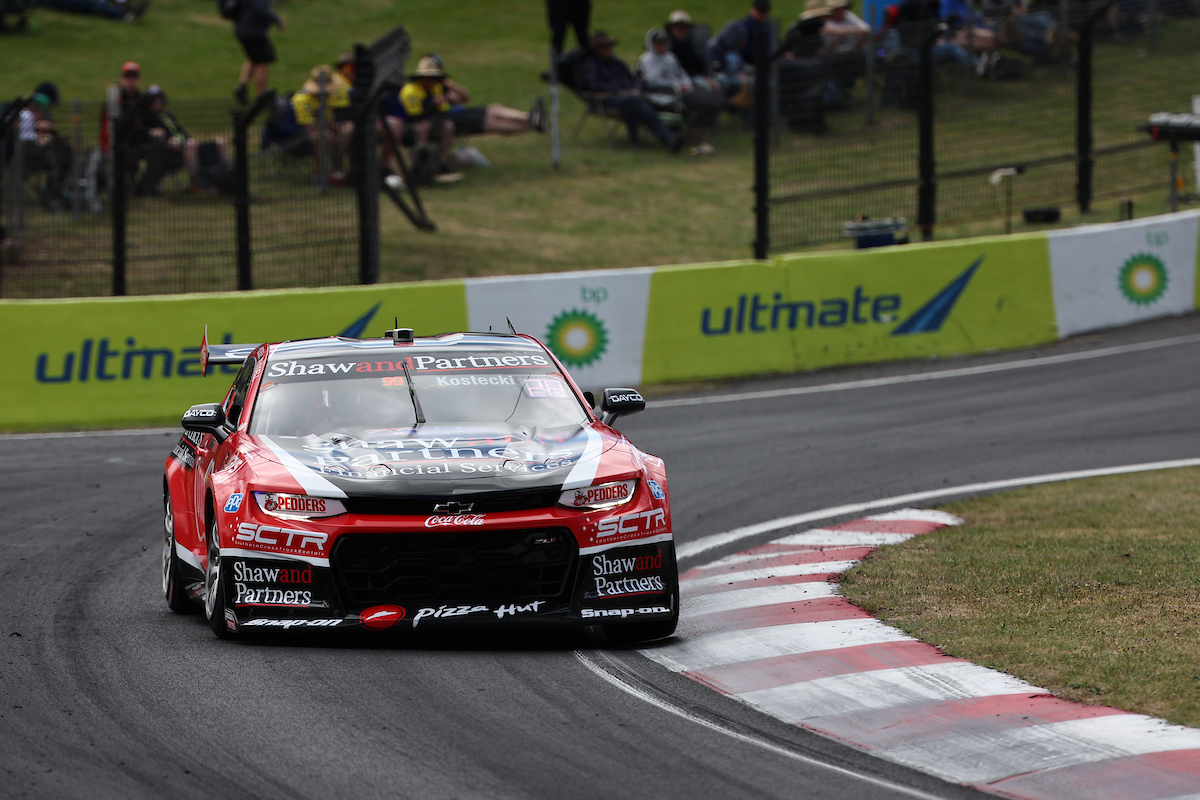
<point>427,110</point>
<point>338,125</point>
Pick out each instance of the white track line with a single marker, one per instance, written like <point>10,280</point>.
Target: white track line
<point>694,548</point>
<point>658,702</point>
<point>921,377</point>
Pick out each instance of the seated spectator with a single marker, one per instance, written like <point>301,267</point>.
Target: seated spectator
<point>338,128</point>
<point>206,164</point>
<point>1034,33</point>
<point>427,114</point>
<point>690,54</point>
<point>732,50</point>
<point>601,72</point>
<point>132,127</point>
<point>806,81</point>
<point>124,10</point>
<point>667,84</point>
<point>492,118</point>
<point>43,150</point>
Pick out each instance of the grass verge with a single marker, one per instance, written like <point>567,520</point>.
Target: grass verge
<point>1089,589</point>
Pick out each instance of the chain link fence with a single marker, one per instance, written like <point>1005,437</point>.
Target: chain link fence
<point>1002,111</point>
<point>167,223</point>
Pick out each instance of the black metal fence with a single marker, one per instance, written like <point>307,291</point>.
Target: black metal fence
<point>969,118</point>
<point>91,213</point>
<point>211,197</point>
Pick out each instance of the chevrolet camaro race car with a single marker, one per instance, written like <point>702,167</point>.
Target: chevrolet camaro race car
<point>413,483</point>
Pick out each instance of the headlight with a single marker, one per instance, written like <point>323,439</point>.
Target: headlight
<point>298,506</point>
<point>595,498</point>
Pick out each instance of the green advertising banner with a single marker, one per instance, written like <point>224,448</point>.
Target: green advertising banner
<point>112,361</point>
<point>818,310</point>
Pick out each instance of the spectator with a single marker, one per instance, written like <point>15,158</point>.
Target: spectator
<point>253,23</point>
<point>733,49</point>
<point>204,162</point>
<point>602,72</point>
<point>492,118</point>
<point>844,38</point>
<point>338,129</point>
<point>560,14</point>
<point>132,126</point>
<point>690,54</point>
<point>666,82</point>
<point>427,111</point>
<point>1034,33</point>
<point>44,151</point>
<point>116,9</point>
<point>806,80</point>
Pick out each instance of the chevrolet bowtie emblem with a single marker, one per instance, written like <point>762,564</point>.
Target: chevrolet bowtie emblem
<point>452,508</point>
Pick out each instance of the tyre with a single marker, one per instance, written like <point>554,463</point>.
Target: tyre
<point>172,579</point>
<point>215,604</point>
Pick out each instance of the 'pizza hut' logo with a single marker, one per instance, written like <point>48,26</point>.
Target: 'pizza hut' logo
<point>379,618</point>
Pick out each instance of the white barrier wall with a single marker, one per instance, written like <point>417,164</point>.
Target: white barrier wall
<point>1108,275</point>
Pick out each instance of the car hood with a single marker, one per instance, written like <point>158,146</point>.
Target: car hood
<point>438,459</point>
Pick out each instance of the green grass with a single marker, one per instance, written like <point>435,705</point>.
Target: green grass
<point>621,207</point>
<point>1086,588</point>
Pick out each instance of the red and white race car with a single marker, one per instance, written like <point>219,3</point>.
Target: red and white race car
<point>414,482</point>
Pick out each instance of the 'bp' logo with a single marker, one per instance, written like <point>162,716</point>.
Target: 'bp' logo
<point>577,337</point>
<point>1143,279</point>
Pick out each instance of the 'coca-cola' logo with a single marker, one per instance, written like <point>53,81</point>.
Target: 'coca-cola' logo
<point>454,520</point>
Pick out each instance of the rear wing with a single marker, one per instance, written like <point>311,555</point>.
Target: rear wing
<point>222,353</point>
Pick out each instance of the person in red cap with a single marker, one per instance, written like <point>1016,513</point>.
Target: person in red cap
<point>122,95</point>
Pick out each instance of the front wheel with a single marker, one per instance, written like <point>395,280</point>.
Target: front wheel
<point>172,578</point>
<point>215,607</point>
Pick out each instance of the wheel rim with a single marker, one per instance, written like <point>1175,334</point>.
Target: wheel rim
<point>212,575</point>
<point>168,542</point>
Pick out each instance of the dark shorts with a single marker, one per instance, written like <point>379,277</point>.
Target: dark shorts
<point>468,121</point>
<point>258,49</point>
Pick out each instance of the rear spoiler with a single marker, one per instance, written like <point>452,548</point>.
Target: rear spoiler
<point>222,353</point>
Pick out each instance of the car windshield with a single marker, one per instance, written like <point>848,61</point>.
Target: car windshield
<point>303,396</point>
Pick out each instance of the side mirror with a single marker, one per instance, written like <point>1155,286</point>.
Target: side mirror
<point>590,398</point>
<point>618,402</point>
<point>206,418</point>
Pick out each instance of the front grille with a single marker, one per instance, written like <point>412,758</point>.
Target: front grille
<point>485,503</point>
<point>446,566</point>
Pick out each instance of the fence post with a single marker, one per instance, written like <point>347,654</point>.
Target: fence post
<point>77,161</point>
<point>322,133</point>
<point>1084,161</point>
<point>120,198</point>
<point>927,190</point>
<point>364,168</point>
<point>241,201</point>
<point>762,126</point>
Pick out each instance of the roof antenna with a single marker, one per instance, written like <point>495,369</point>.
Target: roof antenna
<point>510,326</point>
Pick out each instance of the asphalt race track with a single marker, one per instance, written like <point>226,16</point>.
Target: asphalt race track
<point>105,694</point>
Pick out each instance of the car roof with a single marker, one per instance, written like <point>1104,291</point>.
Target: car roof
<point>446,342</point>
